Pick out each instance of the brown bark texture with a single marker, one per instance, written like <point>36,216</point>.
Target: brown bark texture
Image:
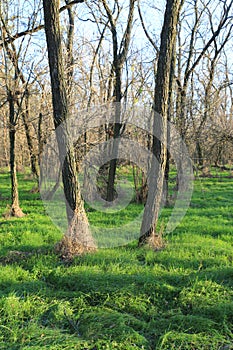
<point>78,235</point>
<point>159,147</point>
<point>15,208</point>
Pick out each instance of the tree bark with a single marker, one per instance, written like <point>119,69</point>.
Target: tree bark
<point>169,114</point>
<point>69,49</point>
<point>15,208</point>
<point>78,237</point>
<point>29,137</point>
<point>159,147</point>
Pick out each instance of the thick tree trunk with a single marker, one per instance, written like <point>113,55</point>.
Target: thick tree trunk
<point>15,208</point>
<point>78,237</point>
<point>159,148</point>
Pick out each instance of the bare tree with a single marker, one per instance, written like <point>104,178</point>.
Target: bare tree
<point>13,95</point>
<point>209,105</point>
<point>120,52</point>
<point>159,147</point>
<point>193,58</point>
<point>78,237</point>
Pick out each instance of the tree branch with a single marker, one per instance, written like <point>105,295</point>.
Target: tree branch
<point>74,2</point>
<point>216,33</point>
<point>145,30</point>
<point>38,28</point>
<point>124,46</point>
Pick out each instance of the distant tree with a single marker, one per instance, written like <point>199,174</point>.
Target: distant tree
<point>22,74</point>
<point>13,96</point>
<point>210,103</point>
<point>189,48</point>
<point>120,52</point>
<point>110,13</point>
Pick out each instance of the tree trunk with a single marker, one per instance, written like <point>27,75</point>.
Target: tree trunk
<point>5,142</point>
<point>113,162</point>
<point>29,136</point>
<point>199,153</point>
<point>119,59</point>
<point>78,237</point>
<point>15,208</point>
<point>69,49</point>
<point>159,148</point>
<point>170,111</point>
<point>117,131</point>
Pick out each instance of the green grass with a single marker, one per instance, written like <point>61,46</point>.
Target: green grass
<point>122,298</point>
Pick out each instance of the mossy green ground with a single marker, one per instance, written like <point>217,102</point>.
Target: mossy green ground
<point>120,298</point>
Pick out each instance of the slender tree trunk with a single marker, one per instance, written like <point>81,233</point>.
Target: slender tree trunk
<point>159,148</point>
<point>15,208</point>
<point>199,153</point>
<point>69,49</point>
<point>113,162</point>
<point>5,142</point>
<point>116,133</point>
<point>29,136</point>
<point>119,59</point>
<point>40,138</point>
<point>78,237</point>
<point>170,110</point>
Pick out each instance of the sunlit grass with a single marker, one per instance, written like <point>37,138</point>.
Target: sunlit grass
<point>120,298</point>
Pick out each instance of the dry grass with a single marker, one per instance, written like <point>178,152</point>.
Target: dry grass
<point>156,242</point>
<point>69,248</point>
<point>15,212</point>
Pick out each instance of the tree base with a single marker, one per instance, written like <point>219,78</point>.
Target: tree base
<point>152,240</point>
<point>35,189</point>
<point>68,248</point>
<point>17,212</point>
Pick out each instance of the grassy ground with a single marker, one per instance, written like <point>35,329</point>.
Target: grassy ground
<point>123,298</point>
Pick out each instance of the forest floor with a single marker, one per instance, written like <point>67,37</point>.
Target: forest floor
<point>180,297</point>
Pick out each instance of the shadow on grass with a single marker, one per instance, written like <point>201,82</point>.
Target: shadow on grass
<point>142,306</point>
